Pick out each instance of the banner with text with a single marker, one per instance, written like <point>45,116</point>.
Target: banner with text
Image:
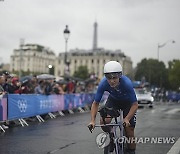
<point>28,105</point>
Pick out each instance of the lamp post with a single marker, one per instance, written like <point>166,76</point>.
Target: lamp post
<point>20,57</point>
<point>66,37</point>
<point>162,45</point>
<point>51,69</point>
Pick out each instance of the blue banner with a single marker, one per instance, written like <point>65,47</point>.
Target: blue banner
<point>28,105</point>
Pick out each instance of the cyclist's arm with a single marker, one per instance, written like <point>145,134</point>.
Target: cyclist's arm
<point>95,104</point>
<point>133,99</point>
<point>94,110</point>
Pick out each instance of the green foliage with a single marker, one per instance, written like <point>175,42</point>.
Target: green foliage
<point>174,74</point>
<point>1,65</point>
<point>154,72</point>
<point>82,72</point>
<point>40,48</point>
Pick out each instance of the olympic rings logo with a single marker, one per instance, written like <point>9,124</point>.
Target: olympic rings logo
<point>22,105</point>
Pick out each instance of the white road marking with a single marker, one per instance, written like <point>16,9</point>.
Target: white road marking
<point>175,149</point>
<point>172,111</point>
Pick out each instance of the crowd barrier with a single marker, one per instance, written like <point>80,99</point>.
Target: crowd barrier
<point>18,106</point>
<point>15,106</point>
<point>173,96</point>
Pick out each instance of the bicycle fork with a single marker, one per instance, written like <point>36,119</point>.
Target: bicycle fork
<point>119,147</point>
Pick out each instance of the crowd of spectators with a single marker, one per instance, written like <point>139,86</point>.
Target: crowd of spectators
<point>32,85</point>
<point>12,84</point>
<point>162,95</point>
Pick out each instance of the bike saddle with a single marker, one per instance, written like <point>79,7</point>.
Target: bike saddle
<point>109,111</point>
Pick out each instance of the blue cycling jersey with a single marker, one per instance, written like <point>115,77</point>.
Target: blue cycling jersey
<point>124,91</point>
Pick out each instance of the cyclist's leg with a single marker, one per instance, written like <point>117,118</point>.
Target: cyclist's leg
<point>130,130</point>
<point>110,104</point>
<point>107,120</point>
<point>130,135</point>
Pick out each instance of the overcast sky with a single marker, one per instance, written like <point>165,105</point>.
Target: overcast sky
<point>134,26</point>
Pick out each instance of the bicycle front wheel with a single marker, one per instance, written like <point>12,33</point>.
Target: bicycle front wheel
<point>107,150</point>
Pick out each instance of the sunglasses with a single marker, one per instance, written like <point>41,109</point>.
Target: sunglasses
<point>112,75</point>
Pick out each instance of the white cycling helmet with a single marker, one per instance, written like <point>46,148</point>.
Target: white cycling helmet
<point>112,67</point>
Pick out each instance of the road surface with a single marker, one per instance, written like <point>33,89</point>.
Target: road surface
<point>69,134</point>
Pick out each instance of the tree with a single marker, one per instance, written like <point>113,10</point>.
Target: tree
<point>82,72</point>
<point>174,74</point>
<point>154,72</point>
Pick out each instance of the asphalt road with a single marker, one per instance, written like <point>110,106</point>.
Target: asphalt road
<point>69,134</point>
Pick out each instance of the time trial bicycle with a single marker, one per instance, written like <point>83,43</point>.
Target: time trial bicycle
<point>117,134</point>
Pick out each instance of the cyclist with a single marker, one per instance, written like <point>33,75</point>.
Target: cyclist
<point>121,96</point>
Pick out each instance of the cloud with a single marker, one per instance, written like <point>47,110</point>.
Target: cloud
<point>135,27</point>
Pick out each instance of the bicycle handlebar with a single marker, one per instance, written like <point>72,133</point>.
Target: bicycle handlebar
<point>111,124</point>
<point>107,125</point>
<point>90,128</point>
<point>104,114</point>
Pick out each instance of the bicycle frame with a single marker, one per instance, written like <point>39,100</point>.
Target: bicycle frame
<point>119,148</point>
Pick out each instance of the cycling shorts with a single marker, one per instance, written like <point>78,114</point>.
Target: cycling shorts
<point>123,105</point>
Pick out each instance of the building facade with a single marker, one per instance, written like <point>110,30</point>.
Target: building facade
<point>93,60</point>
<point>32,58</point>
<point>35,58</point>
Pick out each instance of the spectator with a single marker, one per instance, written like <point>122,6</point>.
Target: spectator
<point>48,87</point>
<point>16,86</point>
<point>8,88</point>
<point>61,90</point>
<point>70,88</point>
<point>32,84</point>
<point>26,88</point>
<point>2,81</point>
<point>2,92</point>
<point>39,89</point>
<point>78,88</point>
<point>57,89</point>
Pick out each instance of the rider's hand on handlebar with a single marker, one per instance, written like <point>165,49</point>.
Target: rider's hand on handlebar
<point>91,126</point>
<point>126,122</point>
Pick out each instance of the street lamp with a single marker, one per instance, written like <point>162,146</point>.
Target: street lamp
<point>51,69</point>
<point>20,57</point>
<point>50,66</point>
<point>162,45</point>
<point>66,37</point>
